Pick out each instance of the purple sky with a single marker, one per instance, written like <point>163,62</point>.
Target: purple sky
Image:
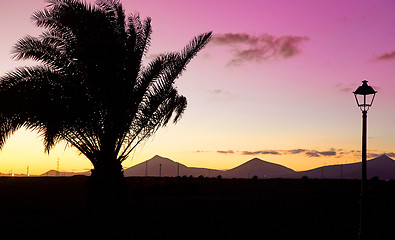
<point>275,82</point>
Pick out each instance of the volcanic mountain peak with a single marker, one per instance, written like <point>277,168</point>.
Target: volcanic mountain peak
<point>156,160</point>
<point>382,161</point>
<point>260,168</point>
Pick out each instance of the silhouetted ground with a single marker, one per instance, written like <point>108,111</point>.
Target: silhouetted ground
<point>200,208</point>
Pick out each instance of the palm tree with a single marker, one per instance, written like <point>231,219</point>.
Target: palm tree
<point>91,88</point>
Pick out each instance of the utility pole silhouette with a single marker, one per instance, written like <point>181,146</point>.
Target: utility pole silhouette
<point>341,171</point>
<point>178,169</point>
<point>146,168</point>
<point>160,170</point>
<point>57,168</point>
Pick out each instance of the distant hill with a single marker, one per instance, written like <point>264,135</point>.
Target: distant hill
<point>259,168</point>
<point>382,167</point>
<point>54,173</point>
<point>12,175</point>
<point>169,168</point>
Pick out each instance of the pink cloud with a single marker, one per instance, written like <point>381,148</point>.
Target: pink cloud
<point>246,47</point>
<point>387,56</point>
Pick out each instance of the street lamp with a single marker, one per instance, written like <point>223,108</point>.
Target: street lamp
<point>364,95</point>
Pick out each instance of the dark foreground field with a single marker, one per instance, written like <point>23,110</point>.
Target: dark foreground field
<point>201,208</point>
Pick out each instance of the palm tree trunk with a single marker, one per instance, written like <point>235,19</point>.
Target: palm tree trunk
<point>106,196</point>
<point>106,186</point>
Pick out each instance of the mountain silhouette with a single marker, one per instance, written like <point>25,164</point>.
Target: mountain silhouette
<point>54,173</point>
<point>259,168</point>
<point>382,167</point>
<point>165,167</point>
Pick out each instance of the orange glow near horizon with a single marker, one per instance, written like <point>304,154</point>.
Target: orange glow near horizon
<point>277,80</point>
<point>25,149</point>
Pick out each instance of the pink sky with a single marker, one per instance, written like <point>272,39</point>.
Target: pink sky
<point>278,76</point>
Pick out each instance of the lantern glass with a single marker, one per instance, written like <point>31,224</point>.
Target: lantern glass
<point>364,95</point>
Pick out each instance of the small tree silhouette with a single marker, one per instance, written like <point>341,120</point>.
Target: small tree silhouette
<point>375,179</point>
<point>91,89</point>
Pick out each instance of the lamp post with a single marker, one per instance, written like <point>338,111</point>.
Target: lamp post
<point>364,95</point>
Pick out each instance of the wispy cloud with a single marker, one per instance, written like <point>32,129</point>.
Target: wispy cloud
<point>309,153</point>
<point>346,88</point>
<point>296,151</point>
<point>263,152</point>
<point>222,95</point>
<point>387,56</point>
<point>246,47</point>
<point>201,151</point>
<point>312,153</point>
<point>234,38</point>
<point>226,152</point>
<point>217,91</point>
<point>315,153</point>
<point>349,88</point>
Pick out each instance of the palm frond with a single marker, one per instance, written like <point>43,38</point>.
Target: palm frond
<point>195,45</point>
<point>115,14</point>
<point>27,88</point>
<point>7,127</point>
<point>51,134</point>
<point>143,38</point>
<point>33,48</point>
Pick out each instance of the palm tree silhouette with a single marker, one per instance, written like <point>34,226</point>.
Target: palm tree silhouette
<point>91,89</point>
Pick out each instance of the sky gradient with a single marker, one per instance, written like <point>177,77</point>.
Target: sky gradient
<point>275,82</point>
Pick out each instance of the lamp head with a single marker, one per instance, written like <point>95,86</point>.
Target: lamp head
<point>364,95</point>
